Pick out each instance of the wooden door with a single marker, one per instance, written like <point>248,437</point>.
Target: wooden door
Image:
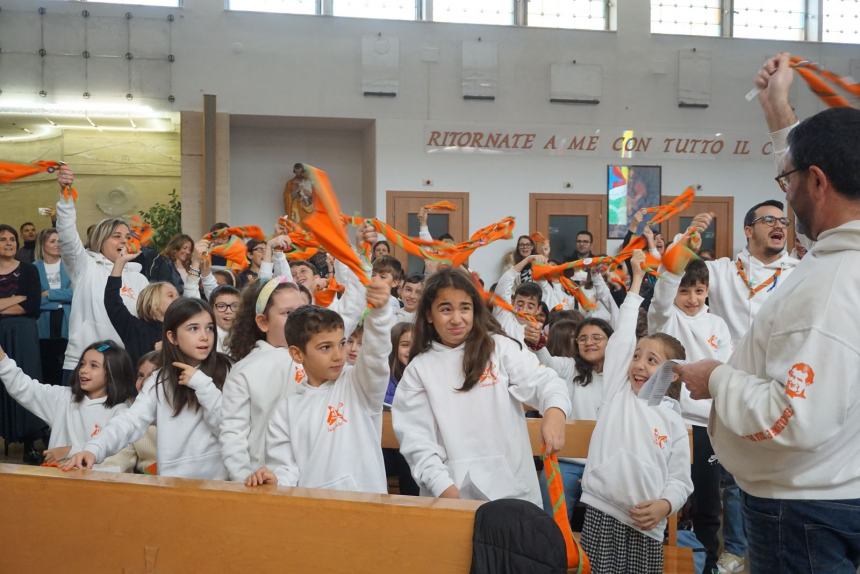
<point>718,237</point>
<point>402,213</point>
<point>560,216</point>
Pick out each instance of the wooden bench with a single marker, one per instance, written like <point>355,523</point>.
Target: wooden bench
<point>85,521</point>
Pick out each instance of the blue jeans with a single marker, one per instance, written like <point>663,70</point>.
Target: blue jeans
<point>734,533</point>
<point>802,536</point>
<point>571,475</point>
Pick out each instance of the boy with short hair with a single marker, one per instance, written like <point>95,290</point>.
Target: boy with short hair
<point>327,434</point>
<point>388,269</point>
<point>526,299</point>
<point>678,309</point>
<point>410,294</point>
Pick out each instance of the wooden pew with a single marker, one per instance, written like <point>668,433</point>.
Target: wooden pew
<point>577,436</point>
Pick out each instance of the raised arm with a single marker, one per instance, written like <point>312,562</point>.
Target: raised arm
<point>662,301</point>
<point>372,371</point>
<point>120,317</point>
<point>72,250</point>
<point>44,401</point>
<point>622,343</point>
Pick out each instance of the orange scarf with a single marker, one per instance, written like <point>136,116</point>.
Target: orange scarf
<point>446,206</point>
<point>770,281</point>
<point>826,85</point>
<point>576,557</point>
<point>10,171</point>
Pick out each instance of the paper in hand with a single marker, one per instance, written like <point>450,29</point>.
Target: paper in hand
<point>655,388</point>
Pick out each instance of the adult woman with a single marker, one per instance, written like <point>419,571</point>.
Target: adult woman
<point>20,298</point>
<point>256,252</point>
<point>525,247</point>
<point>89,271</point>
<point>173,262</point>
<point>56,288</point>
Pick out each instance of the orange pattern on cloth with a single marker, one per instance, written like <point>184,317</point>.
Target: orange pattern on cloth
<point>827,85</point>
<point>441,206</point>
<point>244,231</point>
<point>141,235</point>
<point>770,281</point>
<point>682,252</point>
<point>576,292</point>
<point>10,171</point>
<point>577,560</point>
<point>496,301</point>
<point>673,208</point>
<point>234,251</point>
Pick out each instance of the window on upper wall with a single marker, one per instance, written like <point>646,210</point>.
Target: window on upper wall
<point>769,19</point>
<point>690,17</point>
<point>167,3</point>
<point>474,11</point>
<point>578,14</point>
<point>841,21</point>
<point>281,6</point>
<point>382,9</point>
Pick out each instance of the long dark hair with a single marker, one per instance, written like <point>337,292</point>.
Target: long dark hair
<point>517,256</point>
<point>119,374</point>
<point>215,365</point>
<point>245,333</point>
<point>479,341</point>
<point>397,367</point>
<point>584,369</point>
<point>562,338</point>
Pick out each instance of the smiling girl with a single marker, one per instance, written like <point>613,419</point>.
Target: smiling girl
<point>183,400</point>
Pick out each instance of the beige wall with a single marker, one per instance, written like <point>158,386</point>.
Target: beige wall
<point>147,163</point>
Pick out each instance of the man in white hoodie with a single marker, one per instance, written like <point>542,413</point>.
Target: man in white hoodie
<point>785,418</point>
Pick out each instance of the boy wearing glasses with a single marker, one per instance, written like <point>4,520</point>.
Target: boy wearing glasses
<point>678,308</point>
<point>225,303</point>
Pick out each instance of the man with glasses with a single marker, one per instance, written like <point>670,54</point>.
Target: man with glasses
<point>785,416</point>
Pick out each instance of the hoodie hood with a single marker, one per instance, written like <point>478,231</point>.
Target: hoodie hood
<point>846,237</point>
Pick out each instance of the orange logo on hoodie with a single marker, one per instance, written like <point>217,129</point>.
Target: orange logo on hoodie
<point>800,376</point>
<point>713,342</point>
<point>126,291</point>
<point>489,376</point>
<point>335,417</point>
<point>300,374</point>
<point>96,430</point>
<point>660,439</point>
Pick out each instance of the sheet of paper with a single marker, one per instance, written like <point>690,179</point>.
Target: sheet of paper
<point>655,388</point>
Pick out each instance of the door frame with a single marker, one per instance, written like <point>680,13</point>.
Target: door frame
<point>724,228</point>
<point>431,197</point>
<point>600,239</point>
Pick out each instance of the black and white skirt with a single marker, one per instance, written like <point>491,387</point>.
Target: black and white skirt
<point>613,547</point>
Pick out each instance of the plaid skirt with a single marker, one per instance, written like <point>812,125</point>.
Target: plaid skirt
<point>613,547</point>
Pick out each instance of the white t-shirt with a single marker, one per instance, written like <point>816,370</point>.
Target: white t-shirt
<point>52,271</point>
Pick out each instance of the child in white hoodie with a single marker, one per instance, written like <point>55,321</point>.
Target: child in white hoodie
<point>102,386</point>
<point>263,374</point>
<point>638,468</point>
<point>678,309</point>
<point>328,433</point>
<point>183,400</point>
<point>458,411</point>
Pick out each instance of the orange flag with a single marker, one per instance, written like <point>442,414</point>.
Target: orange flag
<point>681,253</point>
<point>141,234</point>
<point>441,206</point>
<point>324,297</point>
<point>827,85</point>
<point>576,557</point>
<point>246,231</point>
<point>325,223</point>
<point>235,251</point>
<point>10,171</point>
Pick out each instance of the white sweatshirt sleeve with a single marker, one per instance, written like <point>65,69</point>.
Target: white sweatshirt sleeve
<point>604,298</point>
<point>550,296</point>
<point>279,448</point>
<point>724,340</point>
<point>532,383</point>
<point>564,366</point>
<point>73,252</point>
<point>679,485</point>
<point>191,287</point>
<point>424,233</point>
<point>129,426</point>
<point>281,267</point>
<point>372,372</point>
<point>620,347</point>
<point>236,426</point>
<point>209,397</point>
<point>415,426</point>
<point>44,401</point>
<point>354,301</point>
<point>665,290</point>
<point>760,409</point>
<point>508,321</point>
<point>209,284</point>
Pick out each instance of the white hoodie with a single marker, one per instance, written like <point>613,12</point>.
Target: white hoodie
<point>477,439</point>
<point>703,335</point>
<point>255,385</point>
<point>509,322</point>
<point>72,423</point>
<point>637,452</point>
<point>786,419</point>
<point>729,296</point>
<point>329,436</point>
<point>187,443</point>
<point>88,271</point>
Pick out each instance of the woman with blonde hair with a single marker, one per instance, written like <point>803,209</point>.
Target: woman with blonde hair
<point>56,287</point>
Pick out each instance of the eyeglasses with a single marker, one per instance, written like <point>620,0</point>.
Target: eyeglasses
<point>226,306</point>
<point>782,179</point>
<point>771,220</point>
<point>584,339</point>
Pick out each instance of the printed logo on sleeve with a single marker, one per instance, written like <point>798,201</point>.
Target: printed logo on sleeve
<point>660,439</point>
<point>800,376</point>
<point>335,417</point>
<point>126,291</point>
<point>300,374</point>
<point>489,377</point>
<point>96,430</point>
